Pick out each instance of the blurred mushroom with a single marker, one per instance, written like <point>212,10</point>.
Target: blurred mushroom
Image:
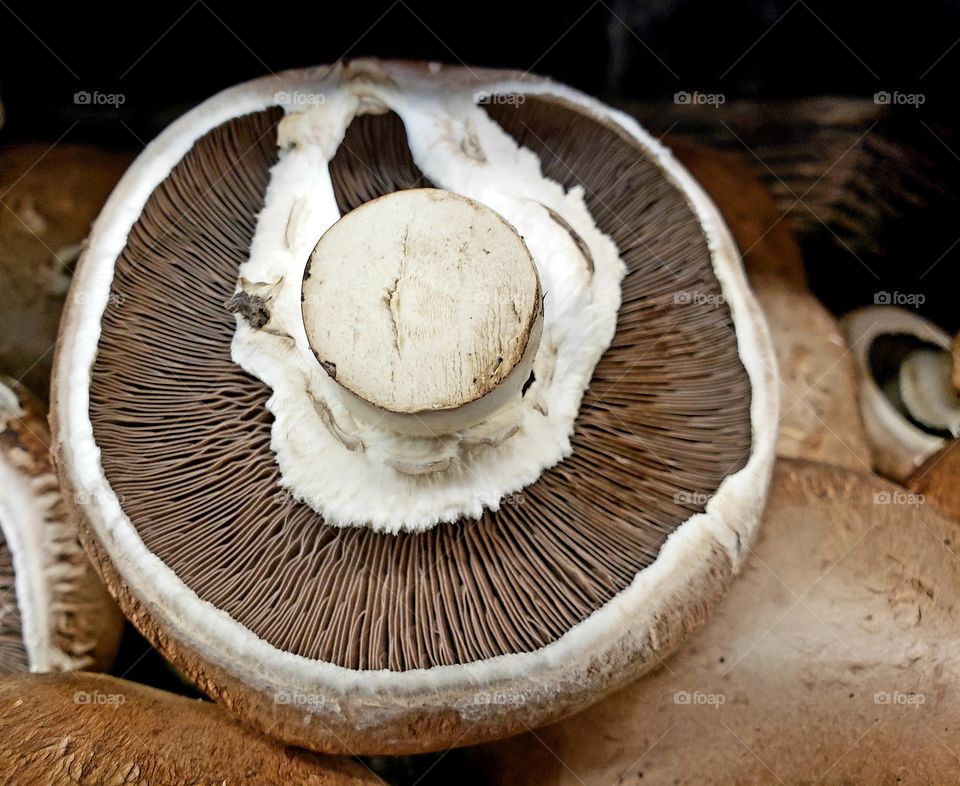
<point>50,197</point>
<point>909,406</point>
<point>91,730</point>
<point>55,615</point>
<point>831,661</point>
<point>938,480</point>
<point>341,583</point>
<point>819,412</point>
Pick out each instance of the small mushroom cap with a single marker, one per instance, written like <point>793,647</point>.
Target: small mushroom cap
<point>830,660</point>
<point>82,728</point>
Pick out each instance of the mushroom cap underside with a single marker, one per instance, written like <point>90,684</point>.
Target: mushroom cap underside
<point>467,631</point>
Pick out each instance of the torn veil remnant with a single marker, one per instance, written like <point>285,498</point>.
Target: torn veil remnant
<point>349,586</point>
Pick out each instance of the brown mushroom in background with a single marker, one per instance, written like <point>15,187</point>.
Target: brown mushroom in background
<point>819,413</point>
<point>55,614</point>
<point>938,480</point>
<point>50,197</point>
<point>832,660</point>
<point>344,638</point>
<point>92,730</point>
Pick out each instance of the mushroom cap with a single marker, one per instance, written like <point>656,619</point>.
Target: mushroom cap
<point>55,614</point>
<point>52,195</point>
<point>830,660</point>
<point>349,639</point>
<point>95,729</point>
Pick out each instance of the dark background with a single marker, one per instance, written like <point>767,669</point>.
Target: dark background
<point>164,58</point>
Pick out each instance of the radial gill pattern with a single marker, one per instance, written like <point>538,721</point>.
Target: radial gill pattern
<point>185,433</point>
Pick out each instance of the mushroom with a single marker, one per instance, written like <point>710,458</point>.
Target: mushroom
<point>94,729</point>
<point>334,571</point>
<point>830,661</point>
<point>54,612</point>
<point>50,196</point>
<point>909,405</point>
<point>819,414</point>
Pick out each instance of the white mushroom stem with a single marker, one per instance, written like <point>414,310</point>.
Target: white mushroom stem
<point>426,309</point>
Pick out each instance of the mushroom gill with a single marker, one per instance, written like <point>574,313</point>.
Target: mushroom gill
<point>186,444</point>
